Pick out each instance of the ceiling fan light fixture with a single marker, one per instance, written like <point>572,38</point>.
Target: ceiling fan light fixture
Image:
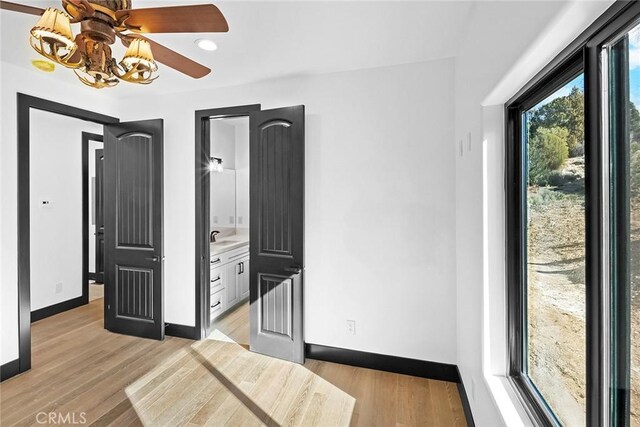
<point>138,63</point>
<point>54,27</point>
<point>52,38</point>
<point>102,22</point>
<point>139,52</point>
<point>206,44</point>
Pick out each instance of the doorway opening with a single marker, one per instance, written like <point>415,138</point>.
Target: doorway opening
<point>44,204</point>
<point>275,234</point>
<point>61,154</point>
<point>222,215</point>
<point>229,227</point>
<point>133,217</point>
<point>95,166</point>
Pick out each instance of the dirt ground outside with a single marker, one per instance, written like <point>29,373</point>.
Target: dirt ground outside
<point>556,297</point>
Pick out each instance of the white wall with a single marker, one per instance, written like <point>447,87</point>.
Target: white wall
<point>507,44</point>
<point>13,80</point>
<point>56,227</point>
<point>380,194</point>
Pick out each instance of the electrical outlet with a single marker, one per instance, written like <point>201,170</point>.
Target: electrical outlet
<point>351,327</point>
<point>215,219</point>
<point>231,219</point>
<point>240,220</point>
<point>59,288</point>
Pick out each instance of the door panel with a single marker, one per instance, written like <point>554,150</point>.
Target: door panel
<point>276,232</point>
<point>133,228</point>
<point>99,214</point>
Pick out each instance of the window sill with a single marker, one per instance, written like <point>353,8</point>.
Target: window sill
<point>508,401</point>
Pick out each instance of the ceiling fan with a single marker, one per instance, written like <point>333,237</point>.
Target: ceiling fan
<point>102,22</point>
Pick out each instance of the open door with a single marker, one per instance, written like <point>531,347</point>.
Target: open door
<point>133,190</point>
<point>99,215</point>
<point>276,232</point>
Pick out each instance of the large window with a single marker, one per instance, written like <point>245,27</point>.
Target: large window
<point>555,247</point>
<point>633,138</point>
<point>622,58</point>
<point>573,230</point>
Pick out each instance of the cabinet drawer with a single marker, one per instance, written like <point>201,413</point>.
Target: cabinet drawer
<point>216,279</point>
<point>217,303</point>
<point>225,257</point>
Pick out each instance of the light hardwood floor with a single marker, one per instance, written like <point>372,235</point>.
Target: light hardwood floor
<point>81,370</point>
<point>96,291</point>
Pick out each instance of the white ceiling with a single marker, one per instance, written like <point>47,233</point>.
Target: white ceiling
<point>271,39</point>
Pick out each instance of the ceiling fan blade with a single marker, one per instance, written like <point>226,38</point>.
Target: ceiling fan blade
<point>176,61</point>
<point>201,18</point>
<point>21,8</point>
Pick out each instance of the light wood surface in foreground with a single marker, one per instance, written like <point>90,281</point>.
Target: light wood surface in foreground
<point>81,370</point>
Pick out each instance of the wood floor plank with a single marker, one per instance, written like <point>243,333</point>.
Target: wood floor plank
<point>117,380</point>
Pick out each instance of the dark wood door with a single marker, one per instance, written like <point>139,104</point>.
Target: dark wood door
<point>277,232</point>
<point>99,216</point>
<point>133,191</point>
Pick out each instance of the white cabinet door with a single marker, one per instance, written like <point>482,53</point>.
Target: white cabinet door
<point>231,285</point>
<point>243,278</point>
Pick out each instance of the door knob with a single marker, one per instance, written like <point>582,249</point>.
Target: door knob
<point>154,258</point>
<point>294,269</point>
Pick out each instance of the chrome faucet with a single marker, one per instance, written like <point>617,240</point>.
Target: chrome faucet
<point>212,236</point>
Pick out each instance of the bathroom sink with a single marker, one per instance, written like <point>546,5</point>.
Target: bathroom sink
<point>226,242</point>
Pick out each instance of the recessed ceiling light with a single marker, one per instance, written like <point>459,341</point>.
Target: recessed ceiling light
<point>45,66</point>
<point>206,44</point>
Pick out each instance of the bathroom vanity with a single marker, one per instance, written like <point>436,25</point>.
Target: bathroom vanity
<point>229,276</point>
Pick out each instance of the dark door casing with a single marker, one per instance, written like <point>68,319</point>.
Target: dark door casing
<point>99,217</point>
<point>133,209</point>
<point>277,232</point>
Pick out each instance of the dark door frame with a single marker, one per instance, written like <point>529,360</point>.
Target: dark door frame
<point>25,104</point>
<point>86,137</point>
<point>202,140</point>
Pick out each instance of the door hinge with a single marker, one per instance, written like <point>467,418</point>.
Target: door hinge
<point>108,306</point>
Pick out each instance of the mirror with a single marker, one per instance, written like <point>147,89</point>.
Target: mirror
<point>229,205</point>
<point>223,201</point>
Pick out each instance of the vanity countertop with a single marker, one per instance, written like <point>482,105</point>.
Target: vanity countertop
<point>228,243</point>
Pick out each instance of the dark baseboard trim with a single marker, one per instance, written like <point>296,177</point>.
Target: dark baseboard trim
<point>465,403</point>
<point>382,362</point>
<point>9,369</point>
<point>181,331</point>
<point>58,308</point>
